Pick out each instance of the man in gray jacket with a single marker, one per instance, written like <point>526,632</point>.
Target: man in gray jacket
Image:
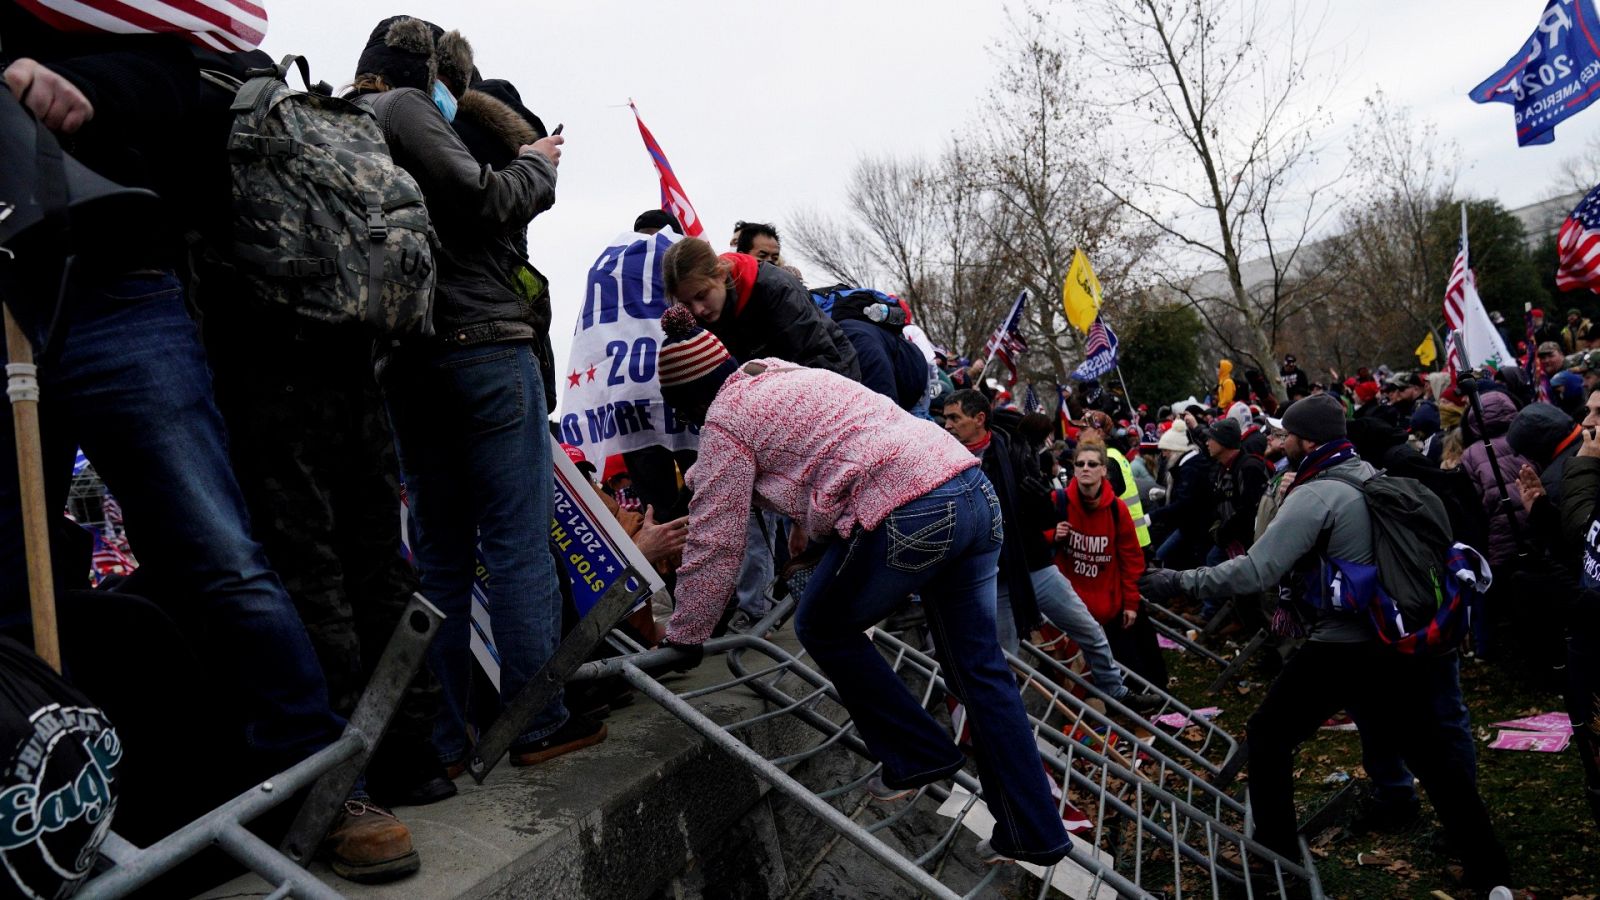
<point>1342,665</point>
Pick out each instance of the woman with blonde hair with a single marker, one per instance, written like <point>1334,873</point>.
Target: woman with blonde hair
<point>1098,550</point>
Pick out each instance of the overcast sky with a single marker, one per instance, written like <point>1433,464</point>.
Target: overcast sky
<point>764,106</point>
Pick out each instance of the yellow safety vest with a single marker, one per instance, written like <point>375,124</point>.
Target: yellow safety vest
<point>1130,497</point>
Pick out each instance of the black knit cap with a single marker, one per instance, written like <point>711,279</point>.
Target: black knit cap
<point>1318,419</point>
<point>401,49</point>
<point>1226,433</point>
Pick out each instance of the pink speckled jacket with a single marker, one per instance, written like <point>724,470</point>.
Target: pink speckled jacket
<point>812,445</point>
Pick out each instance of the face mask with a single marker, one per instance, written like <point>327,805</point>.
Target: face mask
<point>445,100</point>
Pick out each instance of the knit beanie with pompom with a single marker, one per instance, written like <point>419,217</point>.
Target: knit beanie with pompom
<point>693,363</point>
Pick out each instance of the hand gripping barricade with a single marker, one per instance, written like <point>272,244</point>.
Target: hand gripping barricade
<point>1151,809</point>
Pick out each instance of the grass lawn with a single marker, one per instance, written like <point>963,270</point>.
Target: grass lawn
<point>1535,798</point>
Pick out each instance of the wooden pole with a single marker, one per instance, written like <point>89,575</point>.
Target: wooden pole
<point>22,385</point>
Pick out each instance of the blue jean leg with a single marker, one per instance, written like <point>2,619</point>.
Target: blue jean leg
<point>757,570</point>
<point>476,458</point>
<point>944,545</point>
<point>133,389</point>
<point>1062,607</point>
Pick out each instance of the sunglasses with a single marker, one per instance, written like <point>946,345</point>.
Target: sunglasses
<point>1087,464</point>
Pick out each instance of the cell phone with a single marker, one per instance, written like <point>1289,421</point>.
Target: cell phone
<point>558,129</point>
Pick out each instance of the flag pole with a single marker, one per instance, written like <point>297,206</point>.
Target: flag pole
<point>23,386</point>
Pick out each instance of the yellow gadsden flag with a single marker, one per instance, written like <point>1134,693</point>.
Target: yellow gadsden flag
<point>1426,351</point>
<point>1080,296</point>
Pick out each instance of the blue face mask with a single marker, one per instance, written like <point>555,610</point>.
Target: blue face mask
<point>445,100</point>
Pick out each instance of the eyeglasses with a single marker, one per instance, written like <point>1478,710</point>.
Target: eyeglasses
<point>1087,464</point>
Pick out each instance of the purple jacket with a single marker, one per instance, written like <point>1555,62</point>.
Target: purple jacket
<point>1498,411</point>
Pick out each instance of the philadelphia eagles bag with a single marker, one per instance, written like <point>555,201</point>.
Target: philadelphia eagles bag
<point>59,758</point>
<point>325,223</point>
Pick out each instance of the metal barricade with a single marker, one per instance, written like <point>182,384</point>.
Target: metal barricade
<point>1161,821</point>
<point>329,773</point>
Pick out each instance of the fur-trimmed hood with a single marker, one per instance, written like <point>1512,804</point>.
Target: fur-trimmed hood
<point>493,123</point>
<point>498,118</point>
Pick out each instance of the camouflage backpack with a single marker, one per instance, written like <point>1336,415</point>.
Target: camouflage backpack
<point>324,222</point>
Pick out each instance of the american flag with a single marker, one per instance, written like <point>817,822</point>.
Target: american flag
<point>227,26</point>
<point>1006,342</point>
<point>1030,399</point>
<point>673,199</point>
<point>1579,246</point>
<point>1100,352</point>
<point>1470,333</point>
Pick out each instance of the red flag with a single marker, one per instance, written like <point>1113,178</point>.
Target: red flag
<point>673,198</point>
<point>228,26</point>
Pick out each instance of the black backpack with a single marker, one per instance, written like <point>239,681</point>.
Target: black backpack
<point>1411,541</point>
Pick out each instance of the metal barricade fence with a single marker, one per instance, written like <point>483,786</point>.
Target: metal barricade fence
<point>1162,821</point>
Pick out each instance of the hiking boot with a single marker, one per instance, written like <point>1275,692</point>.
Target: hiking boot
<point>579,732</point>
<point>881,792</point>
<point>1140,702</point>
<point>368,845</point>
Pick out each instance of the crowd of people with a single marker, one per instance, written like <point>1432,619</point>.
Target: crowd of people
<point>259,457</point>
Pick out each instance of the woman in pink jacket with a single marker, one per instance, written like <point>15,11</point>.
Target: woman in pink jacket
<point>907,511</point>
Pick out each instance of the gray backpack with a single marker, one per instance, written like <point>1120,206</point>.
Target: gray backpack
<point>324,222</point>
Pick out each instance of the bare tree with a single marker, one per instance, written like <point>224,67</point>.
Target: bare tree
<point>1387,261</point>
<point>1225,161</point>
<point>1041,166</point>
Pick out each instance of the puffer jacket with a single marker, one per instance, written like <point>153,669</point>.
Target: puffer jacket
<point>476,211</point>
<point>770,314</point>
<point>1498,411</point>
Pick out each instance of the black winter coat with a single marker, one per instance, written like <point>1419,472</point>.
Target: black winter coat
<point>476,211</point>
<point>781,321</point>
<point>1004,466</point>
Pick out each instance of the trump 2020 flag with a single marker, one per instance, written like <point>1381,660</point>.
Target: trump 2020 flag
<point>227,26</point>
<point>610,394</point>
<point>1100,350</point>
<point>1554,76</point>
<point>673,199</point>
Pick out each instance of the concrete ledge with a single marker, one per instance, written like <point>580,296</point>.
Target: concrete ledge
<point>617,820</point>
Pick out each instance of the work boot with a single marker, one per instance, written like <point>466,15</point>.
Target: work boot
<point>368,845</point>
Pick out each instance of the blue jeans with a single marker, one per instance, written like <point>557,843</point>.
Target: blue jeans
<point>1392,782</point>
<point>758,568</point>
<point>1062,607</point>
<point>944,545</point>
<point>1210,606</point>
<point>131,386</point>
<point>470,427</point>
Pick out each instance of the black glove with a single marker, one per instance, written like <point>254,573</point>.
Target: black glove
<point>1160,584</point>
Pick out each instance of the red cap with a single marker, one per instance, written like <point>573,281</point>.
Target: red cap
<point>614,467</point>
<point>1366,391</point>
<point>574,454</point>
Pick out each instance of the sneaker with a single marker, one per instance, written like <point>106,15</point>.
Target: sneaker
<point>1140,702</point>
<point>989,856</point>
<point>579,732</point>
<point>368,845</point>
<point>882,792</point>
